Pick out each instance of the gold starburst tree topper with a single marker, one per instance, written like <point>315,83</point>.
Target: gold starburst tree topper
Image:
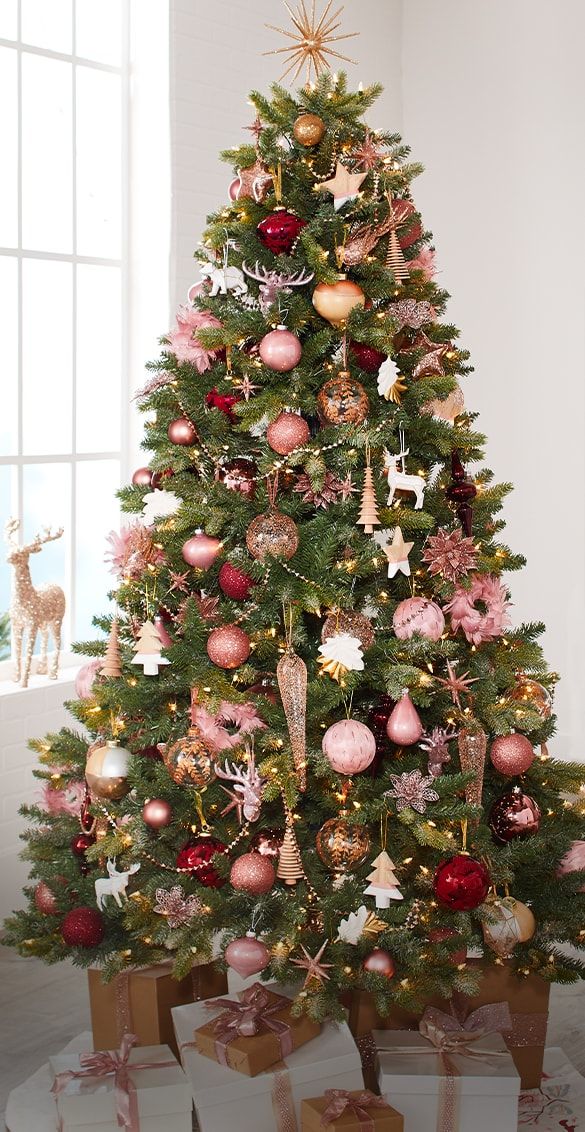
<point>312,39</point>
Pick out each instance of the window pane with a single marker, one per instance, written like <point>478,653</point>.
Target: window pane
<point>47,23</point>
<point>8,148</point>
<point>99,170</point>
<point>98,30</point>
<point>8,21</point>
<point>47,159</point>
<point>98,359</point>
<point>9,355</point>
<point>46,354</point>
<point>46,499</point>
<point>8,510</point>
<point>96,481</point>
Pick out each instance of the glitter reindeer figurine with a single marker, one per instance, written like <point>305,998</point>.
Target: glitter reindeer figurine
<point>36,610</point>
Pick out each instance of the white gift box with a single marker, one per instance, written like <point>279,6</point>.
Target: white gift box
<point>488,1087</point>
<point>225,1099</point>
<point>163,1094</point>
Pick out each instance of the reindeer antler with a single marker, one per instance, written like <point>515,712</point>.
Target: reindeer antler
<point>47,536</point>
<point>10,528</point>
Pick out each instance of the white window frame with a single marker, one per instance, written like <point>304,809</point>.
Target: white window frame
<point>73,458</point>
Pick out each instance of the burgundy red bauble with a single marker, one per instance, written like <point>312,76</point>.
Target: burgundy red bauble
<point>287,432</point>
<point>252,873</point>
<point>238,474</point>
<point>142,477</point>
<point>81,842</point>
<point>515,816</point>
<point>234,583</point>
<point>379,962</point>
<point>267,842</point>
<point>511,754</point>
<point>83,927</point>
<point>279,231</point>
<point>367,357</point>
<point>222,401</point>
<point>157,813</point>
<point>182,431</point>
<point>461,883</point>
<point>247,955</point>
<point>201,550</point>
<point>280,350</point>
<point>196,857</point>
<point>228,646</point>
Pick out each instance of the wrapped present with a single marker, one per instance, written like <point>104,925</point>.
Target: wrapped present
<point>526,996</point>
<point>271,1101</point>
<point>140,1002</point>
<point>140,1090</point>
<point>341,1110</point>
<point>451,1077</point>
<point>253,1031</point>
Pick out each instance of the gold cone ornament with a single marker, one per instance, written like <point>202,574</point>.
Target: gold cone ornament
<point>291,673</point>
<point>472,746</point>
<point>395,261</point>
<point>368,516</point>
<point>112,665</point>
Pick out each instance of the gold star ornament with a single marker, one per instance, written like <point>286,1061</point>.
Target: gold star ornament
<point>397,553</point>
<point>343,186</point>
<point>311,40</point>
<point>312,965</point>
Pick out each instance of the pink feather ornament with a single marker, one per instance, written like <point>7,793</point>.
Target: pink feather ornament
<point>183,340</point>
<point>573,861</point>
<point>480,624</point>
<point>418,615</point>
<point>425,262</point>
<point>67,801</point>
<point>86,676</point>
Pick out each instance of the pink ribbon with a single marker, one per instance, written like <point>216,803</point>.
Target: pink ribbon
<point>246,1017</point>
<point>106,1063</point>
<point>340,1100</point>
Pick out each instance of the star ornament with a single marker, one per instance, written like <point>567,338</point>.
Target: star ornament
<point>368,154</point>
<point>457,685</point>
<point>313,966</point>
<point>311,45</point>
<point>256,127</point>
<point>343,186</point>
<point>255,182</point>
<point>397,553</point>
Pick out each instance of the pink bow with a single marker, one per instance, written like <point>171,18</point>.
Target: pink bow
<point>105,1063</point>
<point>245,1017</point>
<point>340,1100</point>
<point>450,1034</point>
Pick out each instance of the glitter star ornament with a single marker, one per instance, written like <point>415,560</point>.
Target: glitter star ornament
<point>254,182</point>
<point>450,554</point>
<point>177,907</point>
<point>344,186</point>
<point>457,685</point>
<point>368,154</point>
<point>341,654</point>
<point>313,966</point>
<point>397,554</point>
<point>412,789</point>
<point>311,45</point>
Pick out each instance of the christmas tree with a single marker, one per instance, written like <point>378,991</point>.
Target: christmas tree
<point>369,688</point>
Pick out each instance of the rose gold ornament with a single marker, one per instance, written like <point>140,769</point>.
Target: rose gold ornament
<point>342,846</point>
<point>291,672</point>
<point>201,550</point>
<point>352,622</point>
<point>308,129</point>
<point>343,400</point>
<point>182,431</point>
<point>45,900</point>
<point>511,754</point>
<point>252,873</point>
<point>280,350</point>
<point>157,813</point>
<point>418,615</point>
<point>379,962</point>
<point>228,646</point>
<point>514,816</point>
<point>106,770</point>
<point>335,301</point>
<point>404,727</point>
<point>247,955</point>
<point>189,761</point>
<point>349,745</point>
<point>142,477</point>
<point>511,922</point>
<point>532,695</point>
<point>472,747</point>
<point>272,533</point>
<point>287,432</point>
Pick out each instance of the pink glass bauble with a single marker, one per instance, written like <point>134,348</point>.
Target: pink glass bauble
<point>247,955</point>
<point>573,861</point>
<point>201,550</point>
<point>86,676</point>
<point>142,477</point>
<point>404,726</point>
<point>195,290</point>
<point>156,813</point>
<point>287,432</point>
<point>280,350</point>
<point>182,431</point>
<point>511,754</point>
<point>228,646</point>
<point>252,873</point>
<point>234,188</point>
<point>349,745</point>
<point>418,615</point>
<point>379,962</point>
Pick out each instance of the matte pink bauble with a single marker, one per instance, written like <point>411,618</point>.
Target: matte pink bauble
<point>228,646</point>
<point>418,615</point>
<point>511,754</point>
<point>280,350</point>
<point>349,745</point>
<point>404,726</point>
<point>201,550</point>
<point>252,873</point>
<point>195,290</point>
<point>287,432</point>
<point>182,431</point>
<point>142,477</point>
<point>379,962</point>
<point>156,813</point>
<point>247,955</point>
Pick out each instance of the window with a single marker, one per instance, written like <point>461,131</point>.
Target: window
<point>63,272</point>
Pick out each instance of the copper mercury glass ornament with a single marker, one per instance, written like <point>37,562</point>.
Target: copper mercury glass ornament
<point>343,400</point>
<point>188,760</point>
<point>514,816</point>
<point>342,846</point>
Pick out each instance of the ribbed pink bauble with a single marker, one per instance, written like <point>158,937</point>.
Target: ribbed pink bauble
<point>287,432</point>
<point>228,646</point>
<point>201,550</point>
<point>252,873</point>
<point>247,955</point>
<point>280,350</point>
<point>511,754</point>
<point>404,726</point>
<point>349,745</point>
<point>182,431</point>
<point>418,615</point>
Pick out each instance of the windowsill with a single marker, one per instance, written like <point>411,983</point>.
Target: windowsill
<point>68,669</point>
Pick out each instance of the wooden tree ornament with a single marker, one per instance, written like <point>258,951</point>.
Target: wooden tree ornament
<point>112,665</point>
<point>368,516</point>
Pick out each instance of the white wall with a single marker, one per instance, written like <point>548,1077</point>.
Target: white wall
<point>493,96</point>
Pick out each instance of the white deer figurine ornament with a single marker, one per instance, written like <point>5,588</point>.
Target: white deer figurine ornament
<point>115,884</point>
<point>36,610</point>
<point>399,479</point>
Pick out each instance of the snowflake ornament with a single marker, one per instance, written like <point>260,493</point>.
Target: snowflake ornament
<point>177,907</point>
<point>450,554</point>
<point>159,505</point>
<point>340,654</point>
<point>412,789</point>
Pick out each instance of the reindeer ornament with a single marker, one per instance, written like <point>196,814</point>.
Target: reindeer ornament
<point>34,610</point>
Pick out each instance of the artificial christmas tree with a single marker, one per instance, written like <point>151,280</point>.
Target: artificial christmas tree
<point>280,251</point>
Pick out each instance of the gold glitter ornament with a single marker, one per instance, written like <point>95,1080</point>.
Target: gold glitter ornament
<point>341,846</point>
<point>188,760</point>
<point>291,672</point>
<point>272,533</point>
<point>349,621</point>
<point>472,746</point>
<point>106,770</point>
<point>33,610</point>
<point>309,129</point>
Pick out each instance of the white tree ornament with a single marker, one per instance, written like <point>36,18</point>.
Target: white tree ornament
<point>159,505</point>
<point>384,885</point>
<point>147,650</point>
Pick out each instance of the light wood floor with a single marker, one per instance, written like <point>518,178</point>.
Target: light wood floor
<point>42,1008</point>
